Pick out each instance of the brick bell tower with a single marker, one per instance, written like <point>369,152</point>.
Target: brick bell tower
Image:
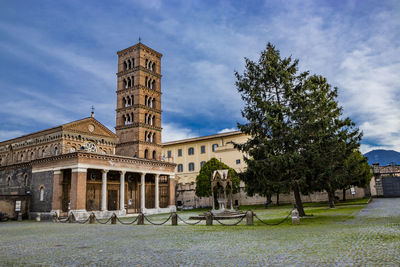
<point>138,122</point>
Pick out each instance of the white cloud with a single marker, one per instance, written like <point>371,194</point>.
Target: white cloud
<point>227,130</point>
<point>6,135</point>
<point>173,132</point>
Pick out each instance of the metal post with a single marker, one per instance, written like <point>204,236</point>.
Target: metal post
<point>249,217</point>
<point>174,219</point>
<point>209,218</point>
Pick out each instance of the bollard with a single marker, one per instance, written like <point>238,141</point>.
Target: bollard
<point>113,219</point>
<point>91,218</point>
<point>38,217</point>
<point>174,219</point>
<point>249,217</point>
<point>209,218</point>
<point>295,217</point>
<point>55,217</point>
<point>140,220</point>
<point>71,218</point>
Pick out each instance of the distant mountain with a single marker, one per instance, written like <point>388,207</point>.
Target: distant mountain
<point>383,157</point>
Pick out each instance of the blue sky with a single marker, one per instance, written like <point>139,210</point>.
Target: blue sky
<point>57,58</point>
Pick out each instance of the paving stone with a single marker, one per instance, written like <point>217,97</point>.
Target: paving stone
<point>371,238</point>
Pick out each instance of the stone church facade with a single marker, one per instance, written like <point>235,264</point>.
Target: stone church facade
<point>83,167</point>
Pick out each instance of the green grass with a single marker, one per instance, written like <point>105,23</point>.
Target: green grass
<point>317,213</point>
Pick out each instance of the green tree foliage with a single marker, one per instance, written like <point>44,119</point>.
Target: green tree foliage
<point>267,89</point>
<point>357,172</point>
<point>325,139</point>
<point>203,180</point>
<point>298,138</point>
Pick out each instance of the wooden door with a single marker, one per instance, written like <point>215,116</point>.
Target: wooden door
<point>112,200</point>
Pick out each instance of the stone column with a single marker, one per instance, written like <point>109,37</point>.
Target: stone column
<point>57,191</point>
<point>142,192</point>
<point>104,190</point>
<point>157,192</point>
<point>171,183</point>
<point>122,191</point>
<point>78,189</point>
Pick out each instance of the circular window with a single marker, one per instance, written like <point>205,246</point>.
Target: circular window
<point>90,147</point>
<point>91,128</point>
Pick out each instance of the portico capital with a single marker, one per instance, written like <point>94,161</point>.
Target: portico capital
<point>122,172</point>
<point>79,170</point>
<point>104,171</point>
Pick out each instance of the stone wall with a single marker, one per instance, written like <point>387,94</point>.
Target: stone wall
<point>41,180</point>
<point>15,184</point>
<point>186,197</point>
<point>15,180</point>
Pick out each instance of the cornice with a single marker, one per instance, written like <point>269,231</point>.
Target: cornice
<point>138,68</point>
<point>139,106</point>
<point>139,142</point>
<point>138,87</point>
<point>139,46</point>
<point>114,158</point>
<point>139,124</point>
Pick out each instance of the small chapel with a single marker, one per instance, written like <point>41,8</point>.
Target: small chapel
<point>83,167</point>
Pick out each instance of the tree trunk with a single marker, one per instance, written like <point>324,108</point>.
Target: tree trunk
<point>344,194</point>
<point>299,203</point>
<point>331,198</point>
<point>277,198</point>
<point>269,198</point>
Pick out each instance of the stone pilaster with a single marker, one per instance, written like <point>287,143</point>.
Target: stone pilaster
<point>57,191</point>
<point>142,192</point>
<point>104,190</point>
<point>122,191</point>
<point>157,204</point>
<point>78,189</point>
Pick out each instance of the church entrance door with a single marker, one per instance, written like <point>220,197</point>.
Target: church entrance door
<point>112,200</point>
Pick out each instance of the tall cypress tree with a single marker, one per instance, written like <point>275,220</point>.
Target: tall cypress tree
<point>298,138</point>
<point>266,88</point>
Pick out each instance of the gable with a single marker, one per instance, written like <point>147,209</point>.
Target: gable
<point>89,126</point>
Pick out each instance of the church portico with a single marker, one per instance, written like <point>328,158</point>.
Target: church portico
<point>107,184</point>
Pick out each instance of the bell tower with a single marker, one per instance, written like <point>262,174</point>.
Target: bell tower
<point>138,121</point>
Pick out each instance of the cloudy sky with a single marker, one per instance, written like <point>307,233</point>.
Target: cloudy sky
<point>57,58</point>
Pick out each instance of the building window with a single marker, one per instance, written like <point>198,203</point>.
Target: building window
<point>154,154</point>
<point>41,193</point>
<point>8,180</point>
<point>146,154</point>
<point>180,168</point>
<point>26,179</point>
<point>202,164</point>
<point>191,151</point>
<point>203,149</point>
<point>238,161</point>
<point>214,147</point>
<point>191,166</point>
<point>169,153</point>
<point>179,152</point>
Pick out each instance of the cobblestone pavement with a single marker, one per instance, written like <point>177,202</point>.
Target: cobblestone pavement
<point>371,238</point>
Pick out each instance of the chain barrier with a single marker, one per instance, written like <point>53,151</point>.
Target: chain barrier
<point>97,220</point>
<point>272,224</point>
<point>158,223</point>
<point>186,222</point>
<point>83,222</point>
<point>179,217</point>
<point>128,223</point>
<point>63,221</point>
<point>228,224</point>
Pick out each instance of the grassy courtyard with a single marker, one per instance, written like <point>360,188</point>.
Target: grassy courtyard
<point>354,233</point>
